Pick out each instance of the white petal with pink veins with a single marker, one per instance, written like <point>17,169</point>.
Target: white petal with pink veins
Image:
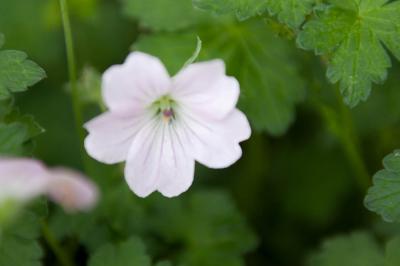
<point>130,87</point>
<point>111,135</point>
<point>215,143</point>
<point>177,166</point>
<point>204,88</point>
<point>158,161</point>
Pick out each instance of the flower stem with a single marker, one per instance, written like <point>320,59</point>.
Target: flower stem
<point>55,246</point>
<point>76,104</point>
<point>351,144</point>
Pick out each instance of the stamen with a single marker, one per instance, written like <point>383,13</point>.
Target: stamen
<point>164,107</point>
<point>168,114</point>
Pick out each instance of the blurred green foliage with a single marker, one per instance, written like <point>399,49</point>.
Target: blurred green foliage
<point>359,248</point>
<point>304,172</point>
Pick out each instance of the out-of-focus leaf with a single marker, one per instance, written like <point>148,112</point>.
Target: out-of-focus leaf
<point>1,40</point>
<point>117,214</point>
<point>269,77</point>
<point>129,253</point>
<point>89,87</point>
<point>352,34</point>
<point>265,66</point>
<point>392,257</point>
<point>17,73</point>
<point>164,263</point>
<point>173,48</point>
<point>164,14</point>
<point>16,133</point>
<point>209,226</point>
<point>83,9</point>
<point>382,108</point>
<point>18,243</point>
<point>243,9</point>
<point>357,249</point>
<point>384,196</point>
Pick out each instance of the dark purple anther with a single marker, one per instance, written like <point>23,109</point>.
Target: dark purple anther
<point>168,113</point>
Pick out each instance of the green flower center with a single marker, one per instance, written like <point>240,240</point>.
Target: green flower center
<point>164,106</point>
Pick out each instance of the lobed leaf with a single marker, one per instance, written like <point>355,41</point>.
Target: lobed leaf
<point>17,132</point>
<point>357,249</point>
<point>129,253</point>
<point>384,196</point>
<point>17,73</point>
<point>19,244</point>
<point>354,34</point>
<point>290,12</point>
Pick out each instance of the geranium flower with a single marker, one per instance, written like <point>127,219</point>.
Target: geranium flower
<point>160,125</point>
<point>22,180</point>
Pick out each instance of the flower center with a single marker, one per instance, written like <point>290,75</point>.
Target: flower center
<point>164,107</point>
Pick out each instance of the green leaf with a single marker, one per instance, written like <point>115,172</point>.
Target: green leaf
<point>352,34</point>
<point>17,132</point>
<point>242,8</point>
<point>392,257</point>
<point>89,87</point>
<point>269,76</point>
<point>173,48</point>
<point>164,263</point>
<point>357,249</point>
<point>19,243</point>
<point>392,253</point>
<point>17,73</point>
<point>208,224</point>
<point>290,12</point>
<point>129,253</point>
<point>164,14</point>
<point>384,196</point>
<point>2,40</point>
<point>265,66</point>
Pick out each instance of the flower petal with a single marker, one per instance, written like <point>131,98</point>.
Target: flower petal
<point>135,84</point>
<point>21,179</point>
<point>204,88</point>
<point>71,190</point>
<point>236,126</point>
<point>177,166</point>
<point>110,136</point>
<point>216,143</point>
<point>158,161</point>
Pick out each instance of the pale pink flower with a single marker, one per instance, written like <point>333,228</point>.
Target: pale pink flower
<point>22,180</point>
<point>71,190</point>
<point>160,125</point>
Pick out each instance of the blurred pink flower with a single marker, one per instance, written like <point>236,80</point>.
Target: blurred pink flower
<point>160,125</point>
<point>71,190</point>
<point>23,179</point>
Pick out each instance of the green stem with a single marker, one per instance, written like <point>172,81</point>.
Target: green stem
<point>55,246</point>
<point>76,104</point>
<point>351,145</point>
